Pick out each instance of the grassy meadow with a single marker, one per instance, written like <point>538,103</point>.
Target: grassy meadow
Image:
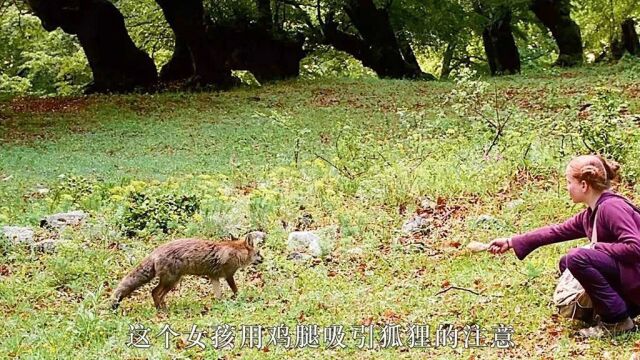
<point>486,156</point>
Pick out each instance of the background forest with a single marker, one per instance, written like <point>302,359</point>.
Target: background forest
<point>254,41</point>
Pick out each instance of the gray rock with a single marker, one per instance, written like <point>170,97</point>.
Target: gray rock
<point>355,251</point>
<point>305,241</point>
<point>18,235</point>
<point>514,203</point>
<point>258,238</point>
<point>416,224</point>
<point>59,221</point>
<point>297,256</point>
<point>317,243</point>
<point>487,222</point>
<point>45,246</point>
<point>426,203</point>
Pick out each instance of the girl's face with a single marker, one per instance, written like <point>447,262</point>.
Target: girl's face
<point>577,189</point>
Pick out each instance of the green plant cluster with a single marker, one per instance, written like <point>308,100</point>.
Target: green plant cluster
<point>154,209</point>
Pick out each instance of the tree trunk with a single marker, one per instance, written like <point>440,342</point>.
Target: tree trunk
<point>376,46</point>
<point>187,20</point>
<point>116,63</point>
<point>268,55</point>
<point>374,26</point>
<point>447,58</point>
<point>617,49</point>
<point>500,46</point>
<point>407,52</point>
<point>556,16</point>
<point>265,18</point>
<point>630,37</point>
<point>180,66</point>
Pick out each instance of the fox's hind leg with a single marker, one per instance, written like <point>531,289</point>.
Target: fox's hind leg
<point>155,294</point>
<point>159,292</point>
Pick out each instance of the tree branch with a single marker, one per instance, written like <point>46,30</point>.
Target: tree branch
<point>456,288</point>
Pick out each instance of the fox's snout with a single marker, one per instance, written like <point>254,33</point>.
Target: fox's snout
<point>257,259</point>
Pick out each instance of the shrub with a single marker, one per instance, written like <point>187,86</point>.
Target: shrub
<point>149,209</point>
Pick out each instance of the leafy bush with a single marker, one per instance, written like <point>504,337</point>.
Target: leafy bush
<point>73,192</point>
<point>327,62</point>
<point>605,129</point>
<point>148,209</point>
<point>38,62</point>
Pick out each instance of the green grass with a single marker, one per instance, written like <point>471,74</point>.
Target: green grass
<point>355,153</point>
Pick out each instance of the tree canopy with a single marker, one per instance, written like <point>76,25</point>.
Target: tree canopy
<point>68,46</point>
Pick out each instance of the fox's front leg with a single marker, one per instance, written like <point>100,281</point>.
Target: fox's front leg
<point>217,291</point>
<point>232,285</point>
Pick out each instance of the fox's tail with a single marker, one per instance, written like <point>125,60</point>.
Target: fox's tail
<point>139,276</point>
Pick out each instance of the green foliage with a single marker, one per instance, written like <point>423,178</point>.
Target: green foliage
<point>263,207</point>
<point>475,100</point>
<point>606,130</point>
<point>33,61</point>
<point>600,22</point>
<point>327,62</point>
<point>74,192</point>
<point>231,11</point>
<point>146,209</point>
<point>148,28</point>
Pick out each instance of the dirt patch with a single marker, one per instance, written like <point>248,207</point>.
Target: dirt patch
<point>325,98</point>
<point>632,91</point>
<point>532,100</point>
<point>434,217</point>
<point>49,105</point>
<point>28,119</point>
<point>5,271</point>
<point>569,75</point>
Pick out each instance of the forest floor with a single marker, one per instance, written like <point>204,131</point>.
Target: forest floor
<point>475,159</point>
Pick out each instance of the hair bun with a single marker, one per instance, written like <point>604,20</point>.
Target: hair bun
<point>611,167</point>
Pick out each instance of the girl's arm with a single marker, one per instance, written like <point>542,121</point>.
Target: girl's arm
<point>619,218</point>
<point>569,230</point>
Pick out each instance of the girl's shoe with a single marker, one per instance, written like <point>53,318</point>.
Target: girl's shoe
<point>603,328</point>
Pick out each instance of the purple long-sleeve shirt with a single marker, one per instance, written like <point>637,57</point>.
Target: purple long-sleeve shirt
<point>618,236</point>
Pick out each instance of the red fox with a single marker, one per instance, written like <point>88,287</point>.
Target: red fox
<point>170,261</point>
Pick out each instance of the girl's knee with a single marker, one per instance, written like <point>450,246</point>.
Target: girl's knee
<point>576,258</point>
<point>562,264</point>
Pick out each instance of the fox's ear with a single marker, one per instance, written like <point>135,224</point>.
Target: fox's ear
<point>249,240</point>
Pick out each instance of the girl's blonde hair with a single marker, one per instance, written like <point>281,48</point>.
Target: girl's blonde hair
<point>595,170</point>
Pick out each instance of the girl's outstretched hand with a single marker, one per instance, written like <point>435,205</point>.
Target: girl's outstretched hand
<point>500,245</point>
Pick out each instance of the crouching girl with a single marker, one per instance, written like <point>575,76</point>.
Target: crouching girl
<point>609,271</point>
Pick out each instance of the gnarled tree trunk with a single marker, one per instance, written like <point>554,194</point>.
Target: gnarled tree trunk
<point>180,66</point>
<point>265,17</point>
<point>556,16</point>
<point>376,44</point>
<point>447,58</point>
<point>630,37</point>
<point>268,55</point>
<point>187,20</point>
<point>116,63</point>
<point>407,53</point>
<point>500,46</point>
<point>207,52</point>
